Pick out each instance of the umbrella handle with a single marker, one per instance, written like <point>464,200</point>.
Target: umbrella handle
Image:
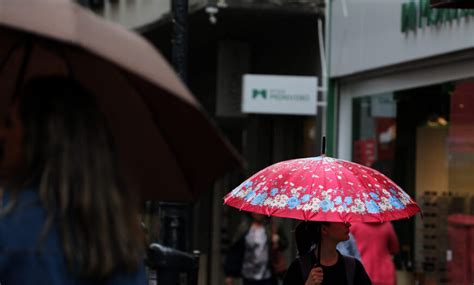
<point>318,256</point>
<point>320,233</point>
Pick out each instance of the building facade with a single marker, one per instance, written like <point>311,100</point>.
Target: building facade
<point>402,79</point>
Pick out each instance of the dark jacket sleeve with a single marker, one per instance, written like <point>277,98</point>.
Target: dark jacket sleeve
<point>361,277</point>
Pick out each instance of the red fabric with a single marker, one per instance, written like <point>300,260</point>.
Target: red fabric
<point>385,149</point>
<point>322,189</point>
<point>461,135</point>
<point>461,241</point>
<point>364,151</point>
<point>377,243</point>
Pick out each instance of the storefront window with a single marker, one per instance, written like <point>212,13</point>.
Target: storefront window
<point>423,139</point>
<point>375,132</point>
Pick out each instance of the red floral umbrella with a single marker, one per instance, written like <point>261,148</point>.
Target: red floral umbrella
<point>323,189</point>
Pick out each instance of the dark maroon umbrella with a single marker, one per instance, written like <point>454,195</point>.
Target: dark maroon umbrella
<point>168,147</point>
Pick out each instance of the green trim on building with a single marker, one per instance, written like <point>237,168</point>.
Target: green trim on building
<point>331,107</point>
<point>331,110</point>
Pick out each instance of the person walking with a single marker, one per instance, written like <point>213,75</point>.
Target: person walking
<point>349,247</point>
<point>331,267</point>
<point>67,216</point>
<point>377,243</point>
<point>257,246</point>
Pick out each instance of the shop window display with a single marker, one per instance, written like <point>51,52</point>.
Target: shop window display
<point>423,139</point>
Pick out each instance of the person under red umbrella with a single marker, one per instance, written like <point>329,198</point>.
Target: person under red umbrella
<point>377,243</point>
<point>319,262</point>
<point>326,192</point>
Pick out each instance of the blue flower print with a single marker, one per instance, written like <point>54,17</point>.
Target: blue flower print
<point>392,191</point>
<point>258,200</point>
<point>293,202</point>
<point>405,195</point>
<point>326,205</point>
<point>396,203</point>
<point>235,191</point>
<point>274,191</point>
<point>372,207</point>
<point>348,200</point>
<point>248,184</point>
<point>374,196</point>
<point>250,195</point>
<point>338,200</point>
<point>305,198</point>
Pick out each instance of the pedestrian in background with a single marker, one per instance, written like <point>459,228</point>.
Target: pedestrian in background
<point>349,247</point>
<point>377,243</point>
<point>256,253</point>
<point>334,268</point>
<point>68,217</point>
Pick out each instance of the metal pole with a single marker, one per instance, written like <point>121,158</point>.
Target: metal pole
<point>321,90</point>
<point>179,9</point>
<point>329,96</point>
<point>174,217</point>
<point>323,147</point>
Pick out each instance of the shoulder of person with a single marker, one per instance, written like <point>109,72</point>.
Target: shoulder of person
<point>21,228</point>
<point>358,263</point>
<point>27,209</point>
<point>361,275</point>
<point>293,274</point>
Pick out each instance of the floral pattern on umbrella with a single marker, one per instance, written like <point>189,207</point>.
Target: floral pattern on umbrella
<point>323,188</point>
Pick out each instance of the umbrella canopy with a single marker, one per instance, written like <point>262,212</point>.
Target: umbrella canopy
<point>161,132</point>
<point>323,189</point>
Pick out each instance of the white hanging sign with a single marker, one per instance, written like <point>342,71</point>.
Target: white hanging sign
<point>278,94</point>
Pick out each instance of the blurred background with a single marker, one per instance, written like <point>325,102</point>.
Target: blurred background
<point>391,85</point>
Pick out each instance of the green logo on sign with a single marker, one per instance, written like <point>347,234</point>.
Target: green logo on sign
<point>259,92</point>
<point>417,14</point>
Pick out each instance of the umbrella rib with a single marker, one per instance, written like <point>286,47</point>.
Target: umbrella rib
<point>366,186</point>
<point>391,212</point>
<point>9,54</point>
<point>268,178</point>
<point>142,97</point>
<point>361,181</point>
<point>66,60</point>
<point>339,183</point>
<point>24,65</point>
<point>345,175</point>
<point>302,172</point>
<point>319,165</point>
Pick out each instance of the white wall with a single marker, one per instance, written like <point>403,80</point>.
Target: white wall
<point>135,13</point>
<point>370,36</point>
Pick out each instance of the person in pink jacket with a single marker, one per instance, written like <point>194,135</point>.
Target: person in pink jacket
<point>377,243</point>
